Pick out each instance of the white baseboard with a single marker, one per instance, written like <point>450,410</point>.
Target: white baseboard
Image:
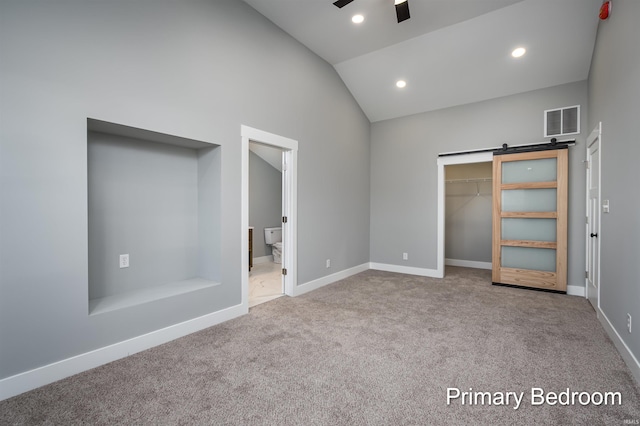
<point>23,382</point>
<point>468,263</point>
<point>262,259</point>
<point>628,357</point>
<point>423,272</point>
<point>329,279</point>
<point>575,290</point>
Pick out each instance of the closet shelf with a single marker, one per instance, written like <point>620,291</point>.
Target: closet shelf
<point>146,295</point>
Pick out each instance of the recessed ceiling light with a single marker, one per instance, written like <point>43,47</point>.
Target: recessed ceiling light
<point>518,52</point>
<point>357,19</point>
<point>401,83</point>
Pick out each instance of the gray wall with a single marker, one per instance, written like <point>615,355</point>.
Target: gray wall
<point>265,201</point>
<point>614,99</point>
<point>468,211</point>
<point>209,211</point>
<point>144,199</point>
<point>182,68</point>
<point>404,171</point>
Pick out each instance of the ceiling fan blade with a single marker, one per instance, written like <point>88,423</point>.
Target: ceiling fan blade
<point>341,3</point>
<point>402,11</point>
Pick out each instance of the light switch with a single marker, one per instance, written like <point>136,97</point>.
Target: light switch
<point>605,206</point>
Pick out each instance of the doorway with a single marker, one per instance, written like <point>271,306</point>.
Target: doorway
<point>288,152</point>
<point>266,182</point>
<point>468,209</point>
<point>443,161</point>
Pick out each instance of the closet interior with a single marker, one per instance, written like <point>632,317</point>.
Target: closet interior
<point>468,209</point>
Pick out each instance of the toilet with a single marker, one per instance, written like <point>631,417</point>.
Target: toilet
<point>273,238</point>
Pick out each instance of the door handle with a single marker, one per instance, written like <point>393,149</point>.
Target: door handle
<point>594,235</point>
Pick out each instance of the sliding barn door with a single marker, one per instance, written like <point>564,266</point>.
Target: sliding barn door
<point>530,219</point>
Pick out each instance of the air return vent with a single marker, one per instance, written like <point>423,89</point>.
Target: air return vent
<point>562,121</point>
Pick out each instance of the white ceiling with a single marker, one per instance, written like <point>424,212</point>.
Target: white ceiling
<point>451,52</point>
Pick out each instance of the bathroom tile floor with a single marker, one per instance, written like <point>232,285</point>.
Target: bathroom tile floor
<point>265,283</point>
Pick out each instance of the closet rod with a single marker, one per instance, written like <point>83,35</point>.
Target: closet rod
<point>475,180</point>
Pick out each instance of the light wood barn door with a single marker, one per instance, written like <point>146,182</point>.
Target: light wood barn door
<point>530,219</point>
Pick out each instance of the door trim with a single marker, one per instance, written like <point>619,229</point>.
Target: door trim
<point>290,148</point>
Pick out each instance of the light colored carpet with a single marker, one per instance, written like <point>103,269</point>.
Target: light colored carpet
<point>377,348</point>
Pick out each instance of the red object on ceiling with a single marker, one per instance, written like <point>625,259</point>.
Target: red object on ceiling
<point>605,10</point>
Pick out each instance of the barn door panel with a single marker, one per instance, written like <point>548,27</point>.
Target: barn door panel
<point>530,219</point>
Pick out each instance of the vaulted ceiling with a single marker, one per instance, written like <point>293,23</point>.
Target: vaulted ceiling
<point>450,52</point>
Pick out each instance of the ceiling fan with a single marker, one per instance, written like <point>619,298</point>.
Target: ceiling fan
<point>402,8</point>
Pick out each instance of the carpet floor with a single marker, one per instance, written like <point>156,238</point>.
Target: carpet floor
<point>377,348</point>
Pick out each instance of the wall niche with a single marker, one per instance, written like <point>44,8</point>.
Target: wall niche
<point>156,198</point>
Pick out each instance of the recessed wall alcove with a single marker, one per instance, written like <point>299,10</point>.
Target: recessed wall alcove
<point>156,198</point>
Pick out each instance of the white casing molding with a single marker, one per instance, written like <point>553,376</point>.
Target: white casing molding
<point>23,382</point>
<point>29,380</point>
<point>575,290</point>
<point>468,264</point>
<point>628,357</point>
<point>329,279</point>
<point>41,376</point>
<point>410,270</point>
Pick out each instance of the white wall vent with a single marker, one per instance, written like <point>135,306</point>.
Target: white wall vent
<point>562,121</point>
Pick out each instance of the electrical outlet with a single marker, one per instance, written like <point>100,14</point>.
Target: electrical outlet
<point>629,322</point>
<point>328,263</point>
<point>124,261</point>
<point>405,256</point>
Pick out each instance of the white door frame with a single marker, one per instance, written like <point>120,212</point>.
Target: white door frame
<point>290,202</point>
<point>595,137</point>
<point>477,157</point>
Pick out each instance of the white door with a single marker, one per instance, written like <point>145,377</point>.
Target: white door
<point>285,226</point>
<point>593,217</point>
